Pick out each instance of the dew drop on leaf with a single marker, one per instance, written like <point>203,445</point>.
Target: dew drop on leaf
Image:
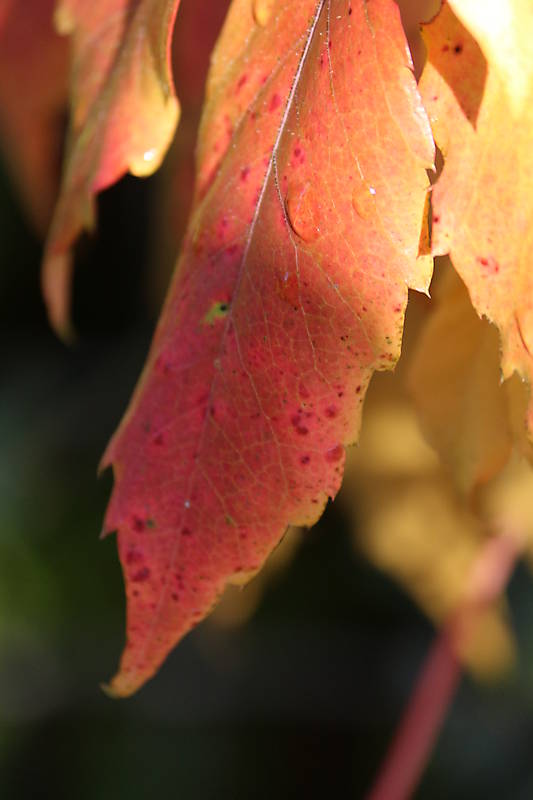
<point>64,21</point>
<point>335,453</point>
<point>262,9</point>
<point>150,154</point>
<point>363,200</point>
<point>302,211</point>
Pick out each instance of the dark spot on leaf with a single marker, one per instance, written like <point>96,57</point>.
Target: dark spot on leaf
<point>218,310</point>
<point>489,264</point>
<point>133,556</point>
<point>141,575</point>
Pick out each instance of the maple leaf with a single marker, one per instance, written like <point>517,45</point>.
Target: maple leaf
<point>481,111</point>
<point>33,97</point>
<point>123,116</point>
<point>290,291</point>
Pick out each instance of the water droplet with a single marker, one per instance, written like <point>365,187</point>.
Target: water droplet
<point>187,504</point>
<point>149,155</point>
<point>262,9</point>
<point>64,20</point>
<point>303,211</point>
<point>335,453</point>
<point>363,200</point>
<point>288,288</point>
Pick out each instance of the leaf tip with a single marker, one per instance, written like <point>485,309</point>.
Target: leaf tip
<point>112,692</point>
<point>55,280</point>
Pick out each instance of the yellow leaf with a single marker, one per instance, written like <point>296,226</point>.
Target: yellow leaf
<point>504,31</point>
<point>483,200</point>
<point>454,379</point>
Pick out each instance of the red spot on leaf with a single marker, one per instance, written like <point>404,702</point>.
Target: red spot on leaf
<point>489,264</point>
<point>275,102</point>
<point>141,575</point>
<point>133,556</point>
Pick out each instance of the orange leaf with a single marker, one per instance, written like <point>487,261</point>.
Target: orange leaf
<point>483,201</point>
<point>123,116</point>
<point>290,292</point>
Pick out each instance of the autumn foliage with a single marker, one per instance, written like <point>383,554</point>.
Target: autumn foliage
<point>326,181</point>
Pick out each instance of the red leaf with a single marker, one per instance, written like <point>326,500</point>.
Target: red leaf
<point>124,113</point>
<point>290,291</point>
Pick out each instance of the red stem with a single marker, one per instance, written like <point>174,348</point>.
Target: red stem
<point>440,675</point>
